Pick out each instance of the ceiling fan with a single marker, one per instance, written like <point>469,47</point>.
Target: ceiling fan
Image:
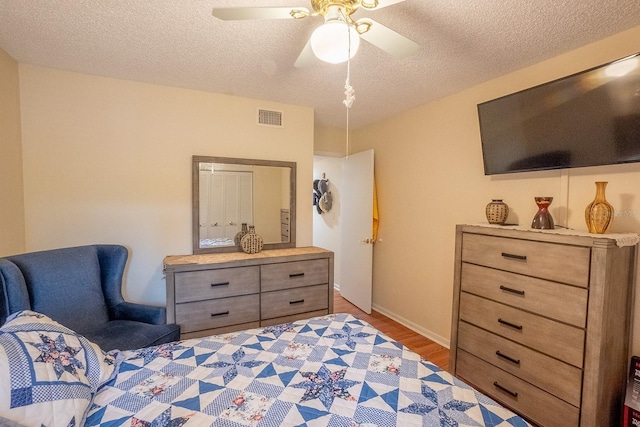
<point>337,40</point>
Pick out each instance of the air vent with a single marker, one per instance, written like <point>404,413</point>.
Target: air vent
<point>270,118</point>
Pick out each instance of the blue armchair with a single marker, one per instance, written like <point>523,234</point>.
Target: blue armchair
<point>81,288</point>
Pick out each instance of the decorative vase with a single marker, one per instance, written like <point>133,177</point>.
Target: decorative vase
<point>251,242</point>
<point>497,211</point>
<point>599,213</point>
<point>240,234</point>
<point>543,219</point>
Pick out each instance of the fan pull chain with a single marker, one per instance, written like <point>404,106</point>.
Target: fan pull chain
<point>348,101</point>
<point>347,154</point>
<point>349,92</point>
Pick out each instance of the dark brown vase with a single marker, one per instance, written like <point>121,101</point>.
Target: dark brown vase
<point>543,219</point>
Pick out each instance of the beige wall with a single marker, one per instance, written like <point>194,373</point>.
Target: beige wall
<point>109,161</point>
<point>430,177</point>
<point>12,238</point>
<point>331,142</point>
<point>268,202</point>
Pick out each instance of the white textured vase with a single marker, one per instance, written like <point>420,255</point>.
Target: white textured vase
<point>497,211</point>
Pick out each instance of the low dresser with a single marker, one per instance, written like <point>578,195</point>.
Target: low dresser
<point>218,293</point>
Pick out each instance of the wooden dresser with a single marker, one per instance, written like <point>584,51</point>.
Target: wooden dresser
<point>217,293</point>
<point>541,321</point>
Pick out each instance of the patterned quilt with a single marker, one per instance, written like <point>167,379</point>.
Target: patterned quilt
<point>334,370</point>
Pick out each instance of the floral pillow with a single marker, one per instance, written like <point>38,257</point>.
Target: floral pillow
<point>48,373</point>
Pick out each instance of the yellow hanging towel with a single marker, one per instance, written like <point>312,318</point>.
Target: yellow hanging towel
<point>376,215</point>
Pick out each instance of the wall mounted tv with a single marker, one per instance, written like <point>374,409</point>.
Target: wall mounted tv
<point>587,119</point>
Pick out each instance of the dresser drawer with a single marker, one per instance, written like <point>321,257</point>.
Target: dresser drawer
<point>294,274</point>
<point>547,336</point>
<point>558,378</point>
<point>293,301</point>
<point>217,313</point>
<point>561,263</point>
<point>551,299</point>
<point>219,331</point>
<point>293,317</point>
<point>216,283</point>
<point>535,404</point>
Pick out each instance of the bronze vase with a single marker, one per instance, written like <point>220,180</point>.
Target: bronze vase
<point>599,213</point>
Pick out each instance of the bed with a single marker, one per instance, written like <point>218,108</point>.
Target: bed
<point>333,370</point>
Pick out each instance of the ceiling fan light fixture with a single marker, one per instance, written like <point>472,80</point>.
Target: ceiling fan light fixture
<point>334,40</point>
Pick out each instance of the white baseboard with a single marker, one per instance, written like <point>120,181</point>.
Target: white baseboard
<point>404,322</point>
<point>445,342</point>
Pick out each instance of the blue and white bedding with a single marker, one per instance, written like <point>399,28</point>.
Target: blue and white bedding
<point>334,370</point>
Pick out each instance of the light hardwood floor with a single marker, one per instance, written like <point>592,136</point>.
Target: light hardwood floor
<point>426,348</point>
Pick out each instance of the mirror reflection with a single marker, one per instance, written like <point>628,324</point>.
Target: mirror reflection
<point>230,195</point>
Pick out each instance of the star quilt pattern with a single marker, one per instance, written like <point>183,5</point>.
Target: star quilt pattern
<point>48,373</point>
<point>333,370</point>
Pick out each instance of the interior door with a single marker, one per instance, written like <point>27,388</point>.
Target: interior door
<point>357,224</point>
<point>216,204</point>
<point>231,224</point>
<point>204,207</point>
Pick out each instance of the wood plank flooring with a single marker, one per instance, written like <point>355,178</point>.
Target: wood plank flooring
<point>426,348</point>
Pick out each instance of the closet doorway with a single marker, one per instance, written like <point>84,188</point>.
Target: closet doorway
<point>346,229</point>
<point>230,196</point>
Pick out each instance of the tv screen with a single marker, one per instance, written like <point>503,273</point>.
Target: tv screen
<point>587,119</point>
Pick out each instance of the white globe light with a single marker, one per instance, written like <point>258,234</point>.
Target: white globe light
<point>330,42</point>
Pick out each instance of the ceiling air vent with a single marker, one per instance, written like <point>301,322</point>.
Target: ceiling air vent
<point>270,118</point>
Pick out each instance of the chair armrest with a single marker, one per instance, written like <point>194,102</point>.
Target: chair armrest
<point>139,312</point>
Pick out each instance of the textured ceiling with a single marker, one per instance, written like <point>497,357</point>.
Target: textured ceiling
<point>179,43</point>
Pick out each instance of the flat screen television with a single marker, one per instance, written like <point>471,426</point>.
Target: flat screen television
<point>587,119</point>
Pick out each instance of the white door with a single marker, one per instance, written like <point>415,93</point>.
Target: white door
<point>357,225</point>
<point>204,205</point>
<point>216,206</point>
<point>231,223</point>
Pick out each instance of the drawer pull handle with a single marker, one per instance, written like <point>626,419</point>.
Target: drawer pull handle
<point>222,313</point>
<point>510,359</point>
<point>298,301</point>
<point>512,256</point>
<point>292,275</point>
<point>513,291</point>
<point>509,324</point>
<point>506,390</point>
<point>213,285</point>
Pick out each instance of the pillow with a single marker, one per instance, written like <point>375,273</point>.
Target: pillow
<point>48,373</point>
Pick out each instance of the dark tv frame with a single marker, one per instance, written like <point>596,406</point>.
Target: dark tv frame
<point>548,160</point>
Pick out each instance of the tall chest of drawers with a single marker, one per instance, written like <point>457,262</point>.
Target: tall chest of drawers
<point>541,321</point>
<point>217,293</point>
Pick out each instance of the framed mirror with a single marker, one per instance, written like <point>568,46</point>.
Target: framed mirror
<point>230,194</point>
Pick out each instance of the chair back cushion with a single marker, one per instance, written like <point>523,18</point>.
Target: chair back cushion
<point>14,295</point>
<point>65,285</point>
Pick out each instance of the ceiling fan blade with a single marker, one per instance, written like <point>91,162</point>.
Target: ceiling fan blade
<point>306,58</point>
<point>379,4</point>
<point>242,13</point>
<point>387,39</point>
